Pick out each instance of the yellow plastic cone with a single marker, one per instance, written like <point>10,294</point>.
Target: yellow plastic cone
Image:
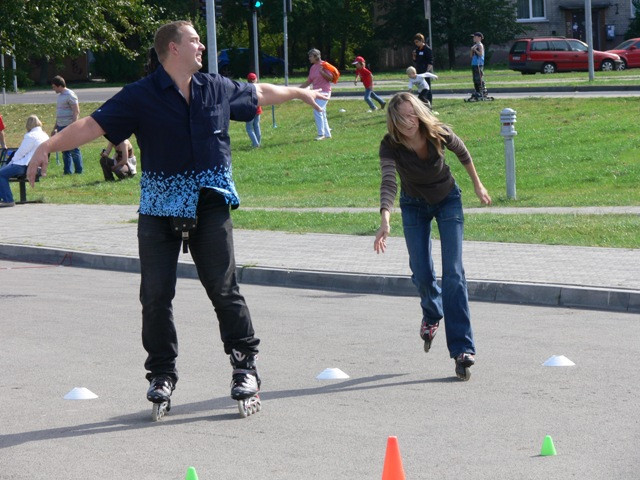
<point>191,474</point>
<point>392,462</point>
<point>548,449</point>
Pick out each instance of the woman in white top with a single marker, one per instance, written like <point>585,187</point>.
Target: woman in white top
<point>18,164</point>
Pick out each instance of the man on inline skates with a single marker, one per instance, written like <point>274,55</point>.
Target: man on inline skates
<point>181,120</point>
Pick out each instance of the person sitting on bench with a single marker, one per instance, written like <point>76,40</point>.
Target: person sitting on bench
<point>124,163</point>
<point>18,164</point>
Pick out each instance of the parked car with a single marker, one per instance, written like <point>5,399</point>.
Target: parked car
<point>557,54</point>
<point>241,58</point>
<point>629,52</point>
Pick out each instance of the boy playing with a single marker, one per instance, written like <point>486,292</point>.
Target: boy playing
<point>367,80</point>
<point>418,79</point>
<point>477,65</point>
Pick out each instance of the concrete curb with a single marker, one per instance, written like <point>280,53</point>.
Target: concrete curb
<point>550,295</point>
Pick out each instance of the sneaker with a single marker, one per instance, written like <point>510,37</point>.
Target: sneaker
<point>320,137</point>
<point>383,105</point>
<point>7,204</point>
<point>466,359</point>
<point>428,332</point>
<point>463,362</point>
<point>160,389</point>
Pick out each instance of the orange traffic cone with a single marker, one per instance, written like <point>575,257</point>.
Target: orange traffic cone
<point>392,461</point>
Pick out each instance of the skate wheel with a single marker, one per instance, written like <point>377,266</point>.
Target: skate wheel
<point>249,406</point>
<point>463,373</point>
<point>159,410</point>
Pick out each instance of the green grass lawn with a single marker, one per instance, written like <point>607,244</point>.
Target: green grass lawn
<point>569,152</point>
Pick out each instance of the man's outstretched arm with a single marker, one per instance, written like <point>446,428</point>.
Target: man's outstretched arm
<point>269,94</point>
<point>77,134</point>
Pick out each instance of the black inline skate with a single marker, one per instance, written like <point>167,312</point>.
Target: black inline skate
<point>427,332</point>
<point>159,393</point>
<point>245,383</point>
<point>463,362</point>
<point>480,97</point>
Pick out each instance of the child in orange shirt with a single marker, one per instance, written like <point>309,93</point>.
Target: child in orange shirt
<point>367,81</point>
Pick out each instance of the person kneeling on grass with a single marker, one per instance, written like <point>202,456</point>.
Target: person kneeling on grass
<point>18,164</point>
<point>124,163</point>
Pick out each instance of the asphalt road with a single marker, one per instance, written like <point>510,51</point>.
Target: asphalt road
<point>68,327</point>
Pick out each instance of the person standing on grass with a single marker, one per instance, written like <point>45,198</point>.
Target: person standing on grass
<point>477,65</point>
<point>253,126</point>
<point>366,76</point>
<point>319,78</point>
<point>423,60</point>
<point>3,143</point>
<point>67,112</point>
<point>181,120</point>
<point>414,147</point>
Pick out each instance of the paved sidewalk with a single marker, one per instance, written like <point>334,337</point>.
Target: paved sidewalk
<point>100,236</point>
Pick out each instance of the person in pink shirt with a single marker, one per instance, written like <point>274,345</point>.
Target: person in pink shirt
<point>366,77</point>
<point>2,141</point>
<point>319,78</point>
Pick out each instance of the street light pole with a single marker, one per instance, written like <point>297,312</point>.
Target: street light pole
<point>255,42</point>
<point>286,42</point>
<point>212,47</point>
<point>589,33</point>
<point>427,15</point>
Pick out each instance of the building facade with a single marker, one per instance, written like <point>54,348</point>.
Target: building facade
<point>566,18</point>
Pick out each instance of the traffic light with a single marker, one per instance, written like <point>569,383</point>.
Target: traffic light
<point>252,4</point>
<point>202,8</point>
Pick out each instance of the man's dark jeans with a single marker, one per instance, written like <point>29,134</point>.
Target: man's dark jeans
<point>211,247</point>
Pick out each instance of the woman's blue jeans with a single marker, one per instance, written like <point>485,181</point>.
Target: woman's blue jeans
<point>211,247</point>
<point>450,301</point>
<point>322,124</point>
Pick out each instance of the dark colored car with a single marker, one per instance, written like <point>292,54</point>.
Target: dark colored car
<point>557,54</point>
<point>629,52</point>
<point>242,58</point>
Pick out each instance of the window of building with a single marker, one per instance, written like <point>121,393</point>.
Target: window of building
<point>530,10</point>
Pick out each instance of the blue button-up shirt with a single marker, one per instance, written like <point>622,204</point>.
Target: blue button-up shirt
<point>183,147</point>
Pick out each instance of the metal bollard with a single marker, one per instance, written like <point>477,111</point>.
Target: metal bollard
<point>507,119</point>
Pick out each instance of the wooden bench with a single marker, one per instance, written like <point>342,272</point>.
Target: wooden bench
<point>6,154</point>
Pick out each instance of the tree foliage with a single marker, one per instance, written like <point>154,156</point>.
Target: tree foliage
<point>55,29</point>
<point>452,22</point>
<point>340,29</point>
<point>634,27</point>
<point>336,27</point>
